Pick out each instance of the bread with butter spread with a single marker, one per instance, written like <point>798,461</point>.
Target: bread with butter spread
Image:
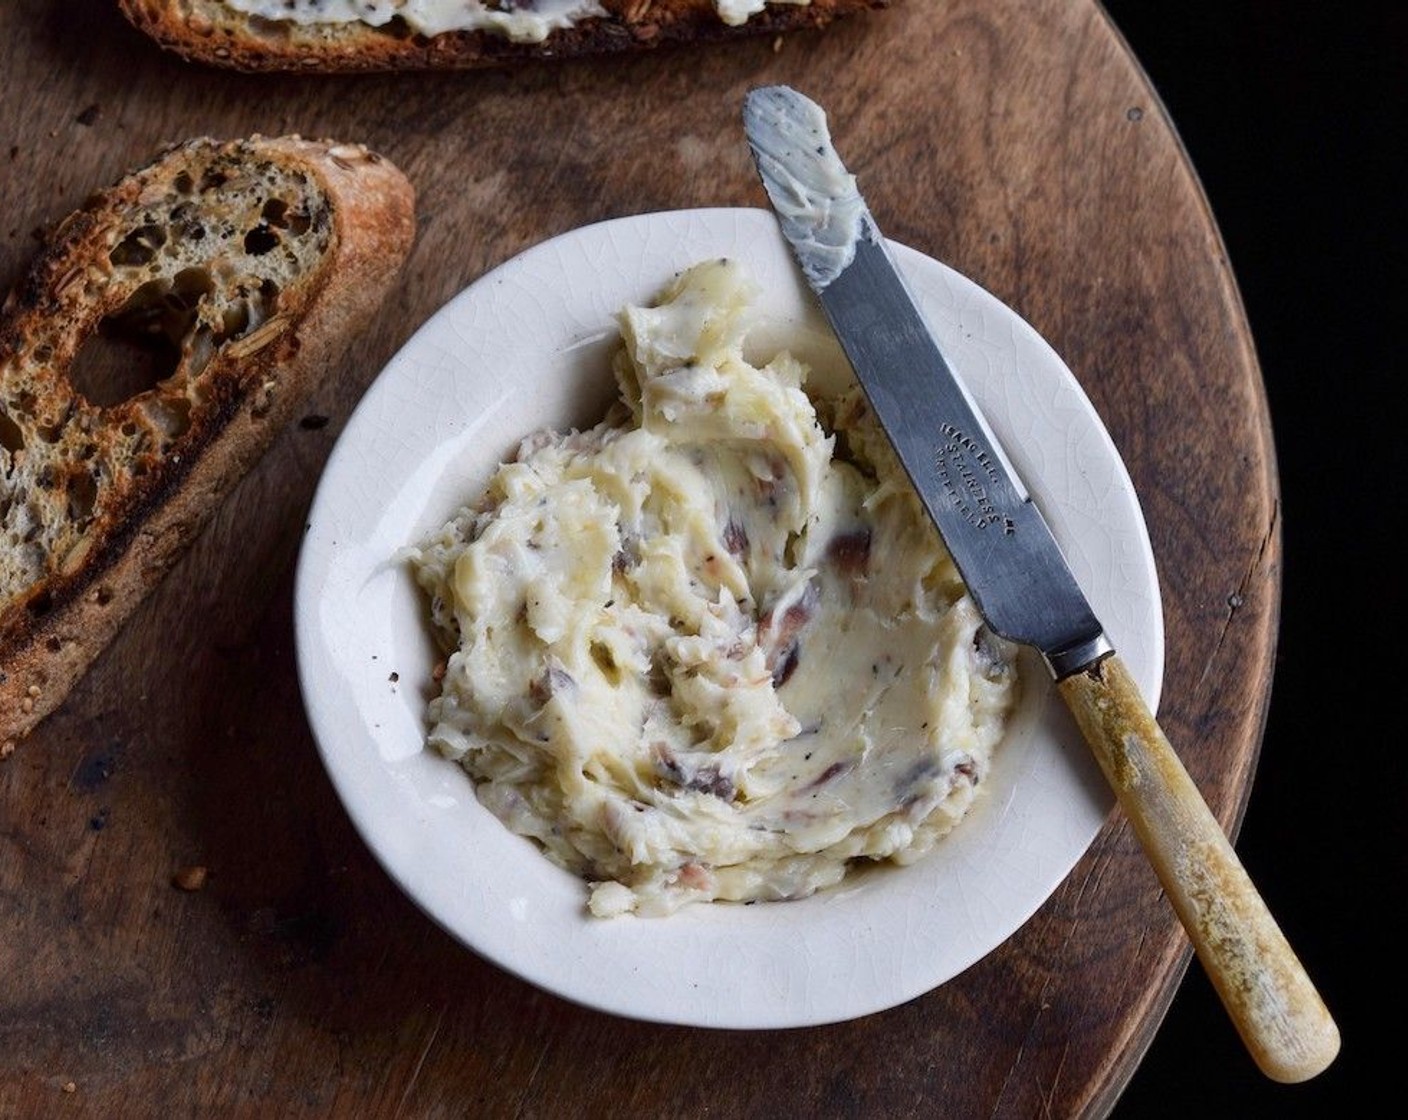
<point>371,35</point>
<point>234,272</point>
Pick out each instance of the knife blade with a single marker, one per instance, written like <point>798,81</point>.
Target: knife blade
<point>1021,583</point>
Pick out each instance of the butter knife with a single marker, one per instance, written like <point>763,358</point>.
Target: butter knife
<point>1021,583</point>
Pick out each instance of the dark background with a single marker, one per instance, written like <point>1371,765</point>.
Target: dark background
<point>1293,117</point>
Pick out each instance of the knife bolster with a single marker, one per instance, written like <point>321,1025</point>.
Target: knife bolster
<point>1078,657</point>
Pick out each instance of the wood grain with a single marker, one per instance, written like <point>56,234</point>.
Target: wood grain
<point>1018,142</point>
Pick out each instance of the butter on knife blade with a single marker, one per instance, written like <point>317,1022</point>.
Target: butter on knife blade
<point>1021,583</point>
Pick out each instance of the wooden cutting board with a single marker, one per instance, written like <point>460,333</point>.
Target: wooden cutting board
<point>1020,143</point>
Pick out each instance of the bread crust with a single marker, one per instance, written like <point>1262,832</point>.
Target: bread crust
<point>154,467</point>
<point>207,31</point>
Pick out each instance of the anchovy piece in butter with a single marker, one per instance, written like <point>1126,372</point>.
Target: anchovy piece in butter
<point>712,648</point>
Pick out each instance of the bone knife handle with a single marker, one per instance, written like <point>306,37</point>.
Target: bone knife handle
<point>1277,1011</point>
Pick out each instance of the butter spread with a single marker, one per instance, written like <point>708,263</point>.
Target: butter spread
<point>526,21</point>
<point>711,648</point>
<point>735,13</point>
<point>816,199</point>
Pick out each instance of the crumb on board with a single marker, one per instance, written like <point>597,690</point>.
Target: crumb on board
<point>190,878</point>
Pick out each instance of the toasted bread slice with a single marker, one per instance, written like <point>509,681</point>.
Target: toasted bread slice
<point>251,262</point>
<point>341,35</point>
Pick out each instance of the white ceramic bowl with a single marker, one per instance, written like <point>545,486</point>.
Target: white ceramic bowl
<point>526,346</point>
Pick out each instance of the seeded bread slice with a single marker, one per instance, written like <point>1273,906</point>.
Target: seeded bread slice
<point>213,32</point>
<point>252,262</point>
